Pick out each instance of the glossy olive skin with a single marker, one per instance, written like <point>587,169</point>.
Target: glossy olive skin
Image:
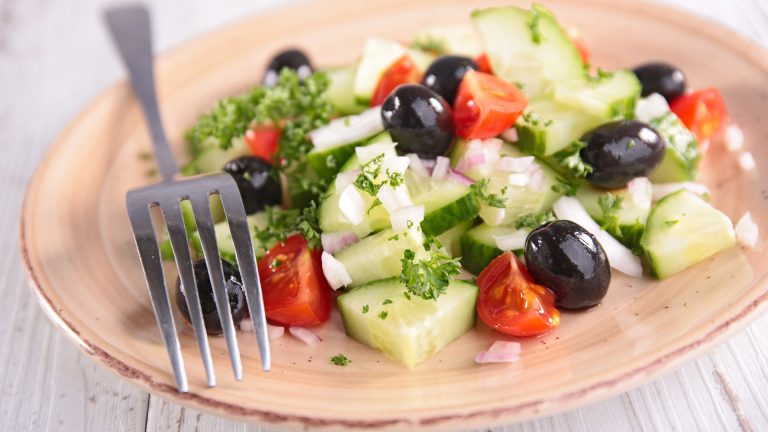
<point>235,293</point>
<point>257,187</point>
<point>294,59</point>
<point>565,258</point>
<point>620,151</point>
<point>444,75</point>
<point>419,120</point>
<point>661,78</point>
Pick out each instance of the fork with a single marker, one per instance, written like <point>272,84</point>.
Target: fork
<point>131,31</point>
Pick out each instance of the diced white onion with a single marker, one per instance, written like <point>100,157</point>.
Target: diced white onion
<point>347,130</point>
<point>395,164</point>
<point>510,135</point>
<point>417,165</point>
<point>492,215</point>
<point>338,241</point>
<point>352,205</point>
<point>500,352</point>
<point>275,332</point>
<point>460,178</point>
<point>366,153</point>
<point>346,178</point>
<point>734,137</point>
<point>660,190</point>
<point>442,164</point>
<point>305,335</point>
<point>393,199</point>
<point>513,241</point>
<point>515,164</point>
<point>480,152</point>
<point>335,272</point>
<point>519,179</point>
<point>641,192</point>
<point>747,161</point>
<point>537,178</point>
<point>747,231</point>
<point>404,216</point>
<point>619,257</point>
<point>651,107</point>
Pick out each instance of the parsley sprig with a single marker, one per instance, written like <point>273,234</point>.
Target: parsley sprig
<point>570,158</point>
<point>428,277</point>
<point>480,189</point>
<point>610,205</point>
<point>282,223</point>
<point>534,220</point>
<point>369,180</point>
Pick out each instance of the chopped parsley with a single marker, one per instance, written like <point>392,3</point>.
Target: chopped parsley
<point>534,220</point>
<point>366,308</point>
<point>531,118</point>
<point>406,295</point>
<point>631,144</point>
<point>570,158</point>
<point>432,242</point>
<point>281,223</point>
<point>428,277</point>
<point>340,360</point>
<point>368,180</point>
<point>610,205</point>
<point>383,315</point>
<point>670,223</point>
<point>565,187</point>
<point>599,75</point>
<point>386,302</point>
<point>533,24</point>
<point>429,44</point>
<point>480,190</point>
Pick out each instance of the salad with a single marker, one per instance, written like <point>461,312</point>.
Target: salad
<point>487,171</point>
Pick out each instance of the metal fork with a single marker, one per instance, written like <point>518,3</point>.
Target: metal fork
<point>131,31</point>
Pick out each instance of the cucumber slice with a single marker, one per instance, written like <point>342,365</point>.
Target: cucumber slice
<point>422,59</point>
<point>407,331</point>
<point>327,162</point>
<point>478,246</point>
<point>378,256</point>
<point>212,158</point>
<point>446,202</point>
<point>451,239</point>
<point>631,216</point>
<point>224,238</point>
<point>217,212</point>
<point>682,155</point>
<point>449,39</point>
<point>610,97</point>
<point>683,230</point>
<point>378,55</point>
<point>340,92</point>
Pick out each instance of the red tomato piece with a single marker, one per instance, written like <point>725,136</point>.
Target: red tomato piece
<point>293,285</point>
<point>511,303</point>
<point>703,112</point>
<point>403,71</point>
<point>484,63</point>
<point>263,141</point>
<point>486,106</point>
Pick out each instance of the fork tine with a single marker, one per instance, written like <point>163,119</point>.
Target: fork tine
<point>177,233</point>
<point>238,226</point>
<point>149,254</point>
<point>204,220</point>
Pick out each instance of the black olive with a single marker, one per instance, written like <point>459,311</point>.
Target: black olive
<point>293,59</point>
<point>419,120</point>
<point>235,294</point>
<point>661,78</point>
<point>257,186</point>
<point>620,151</point>
<point>444,75</point>
<point>565,258</point>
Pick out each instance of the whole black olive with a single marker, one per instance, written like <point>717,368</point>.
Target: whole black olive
<point>620,151</point>
<point>235,294</point>
<point>565,258</point>
<point>292,59</point>
<point>661,78</point>
<point>257,186</point>
<point>419,120</point>
<point>444,75</point>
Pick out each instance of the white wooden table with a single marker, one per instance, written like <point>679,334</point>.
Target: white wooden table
<point>55,57</point>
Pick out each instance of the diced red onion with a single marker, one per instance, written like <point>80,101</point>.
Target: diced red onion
<point>747,231</point>
<point>347,130</point>
<point>510,135</point>
<point>417,164</point>
<point>305,335</point>
<point>334,271</point>
<point>401,217</point>
<point>338,241</point>
<point>513,241</point>
<point>515,164</point>
<point>275,332</point>
<point>352,205</point>
<point>500,352</point>
<point>660,190</point>
<point>472,160</point>
<point>641,191</point>
<point>393,199</point>
<point>460,178</point>
<point>505,346</point>
<point>442,164</point>
<point>619,257</point>
<point>734,137</point>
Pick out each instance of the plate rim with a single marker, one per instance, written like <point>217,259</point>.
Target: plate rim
<point>719,33</point>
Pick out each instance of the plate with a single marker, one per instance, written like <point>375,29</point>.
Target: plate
<point>78,250</point>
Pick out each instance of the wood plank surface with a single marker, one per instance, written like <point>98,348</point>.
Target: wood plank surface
<point>55,57</point>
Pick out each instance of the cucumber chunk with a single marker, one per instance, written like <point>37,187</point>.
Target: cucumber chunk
<point>225,242</point>
<point>378,55</point>
<point>340,92</point>
<point>446,202</point>
<point>451,239</point>
<point>682,155</point>
<point>407,331</point>
<point>631,216</point>
<point>212,158</point>
<point>683,230</point>
<point>449,39</point>
<point>478,246</point>
<point>326,163</point>
<point>378,256</point>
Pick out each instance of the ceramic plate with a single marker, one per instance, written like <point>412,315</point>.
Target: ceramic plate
<point>78,249</point>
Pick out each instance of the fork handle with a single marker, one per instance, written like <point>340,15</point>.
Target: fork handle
<point>132,33</point>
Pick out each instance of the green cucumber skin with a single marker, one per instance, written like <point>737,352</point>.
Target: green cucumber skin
<point>441,220</point>
<point>476,256</point>
<point>682,156</point>
<point>319,160</point>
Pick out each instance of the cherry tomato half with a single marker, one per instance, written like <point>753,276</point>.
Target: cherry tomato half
<point>292,282</point>
<point>484,63</point>
<point>511,303</point>
<point>486,106</point>
<point>263,141</point>
<point>703,112</point>
<point>403,71</point>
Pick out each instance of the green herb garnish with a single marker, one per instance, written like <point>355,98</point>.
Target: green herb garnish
<point>565,187</point>
<point>534,220</point>
<point>429,44</point>
<point>480,189</point>
<point>383,315</point>
<point>533,24</point>
<point>428,277</point>
<point>386,302</point>
<point>340,360</point>
<point>570,158</point>
<point>671,223</point>
<point>610,205</point>
<point>366,309</point>
<point>282,223</point>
